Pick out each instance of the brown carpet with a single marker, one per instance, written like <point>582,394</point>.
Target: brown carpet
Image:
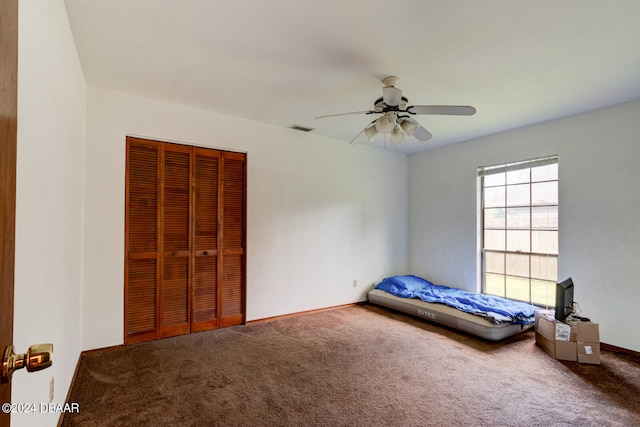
<point>353,366</point>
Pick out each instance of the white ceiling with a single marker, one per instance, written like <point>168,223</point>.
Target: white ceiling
<point>284,62</point>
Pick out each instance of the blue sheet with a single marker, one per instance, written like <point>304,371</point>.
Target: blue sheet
<point>496,309</point>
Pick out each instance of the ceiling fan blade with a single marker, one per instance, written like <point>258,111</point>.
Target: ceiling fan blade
<point>452,110</point>
<point>345,114</point>
<point>355,138</point>
<point>392,96</point>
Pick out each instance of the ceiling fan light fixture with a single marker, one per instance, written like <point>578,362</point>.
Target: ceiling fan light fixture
<point>371,132</point>
<point>386,123</point>
<point>397,136</point>
<point>409,127</point>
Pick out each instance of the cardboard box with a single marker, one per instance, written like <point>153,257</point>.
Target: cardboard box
<point>588,352</point>
<point>573,341</point>
<point>588,332</point>
<point>546,337</point>
<point>566,350</point>
<point>547,345</point>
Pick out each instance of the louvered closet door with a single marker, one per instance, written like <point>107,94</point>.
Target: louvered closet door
<point>176,243</point>
<point>141,240</point>
<point>232,292</point>
<point>205,248</point>
<point>184,237</point>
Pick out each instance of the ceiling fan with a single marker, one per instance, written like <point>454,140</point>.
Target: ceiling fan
<point>396,115</point>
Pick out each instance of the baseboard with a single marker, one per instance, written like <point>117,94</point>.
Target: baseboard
<point>620,350</point>
<point>101,350</point>
<point>73,381</point>
<point>298,313</point>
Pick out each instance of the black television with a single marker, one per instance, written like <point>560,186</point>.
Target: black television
<point>564,299</point>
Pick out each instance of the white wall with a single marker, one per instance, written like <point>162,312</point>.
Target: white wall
<point>49,205</point>
<point>321,213</point>
<point>599,157</point>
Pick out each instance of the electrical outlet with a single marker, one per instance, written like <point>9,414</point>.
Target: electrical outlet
<point>51,390</point>
<point>355,283</point>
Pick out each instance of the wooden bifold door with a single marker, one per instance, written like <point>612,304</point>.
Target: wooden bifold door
<point>185,228</point>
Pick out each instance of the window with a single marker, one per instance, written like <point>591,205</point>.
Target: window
<point>519,221</point>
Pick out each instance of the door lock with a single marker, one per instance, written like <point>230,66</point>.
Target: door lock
<point>38,357</point>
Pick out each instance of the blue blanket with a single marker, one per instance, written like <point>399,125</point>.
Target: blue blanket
<point>496,309</point>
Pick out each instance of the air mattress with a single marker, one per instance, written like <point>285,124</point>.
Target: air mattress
<point>448,316</point>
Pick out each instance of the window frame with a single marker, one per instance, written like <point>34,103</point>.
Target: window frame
<point>529,207</point>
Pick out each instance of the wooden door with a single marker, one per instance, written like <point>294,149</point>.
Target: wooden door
<point>232,293</point>
<point>142,260</point>
<point>175,239</point>
<point>205,248</point>
<point>8,143</point>
<point>185,238</point>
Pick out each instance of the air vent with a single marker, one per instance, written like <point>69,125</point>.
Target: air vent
<point>301,128</point>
